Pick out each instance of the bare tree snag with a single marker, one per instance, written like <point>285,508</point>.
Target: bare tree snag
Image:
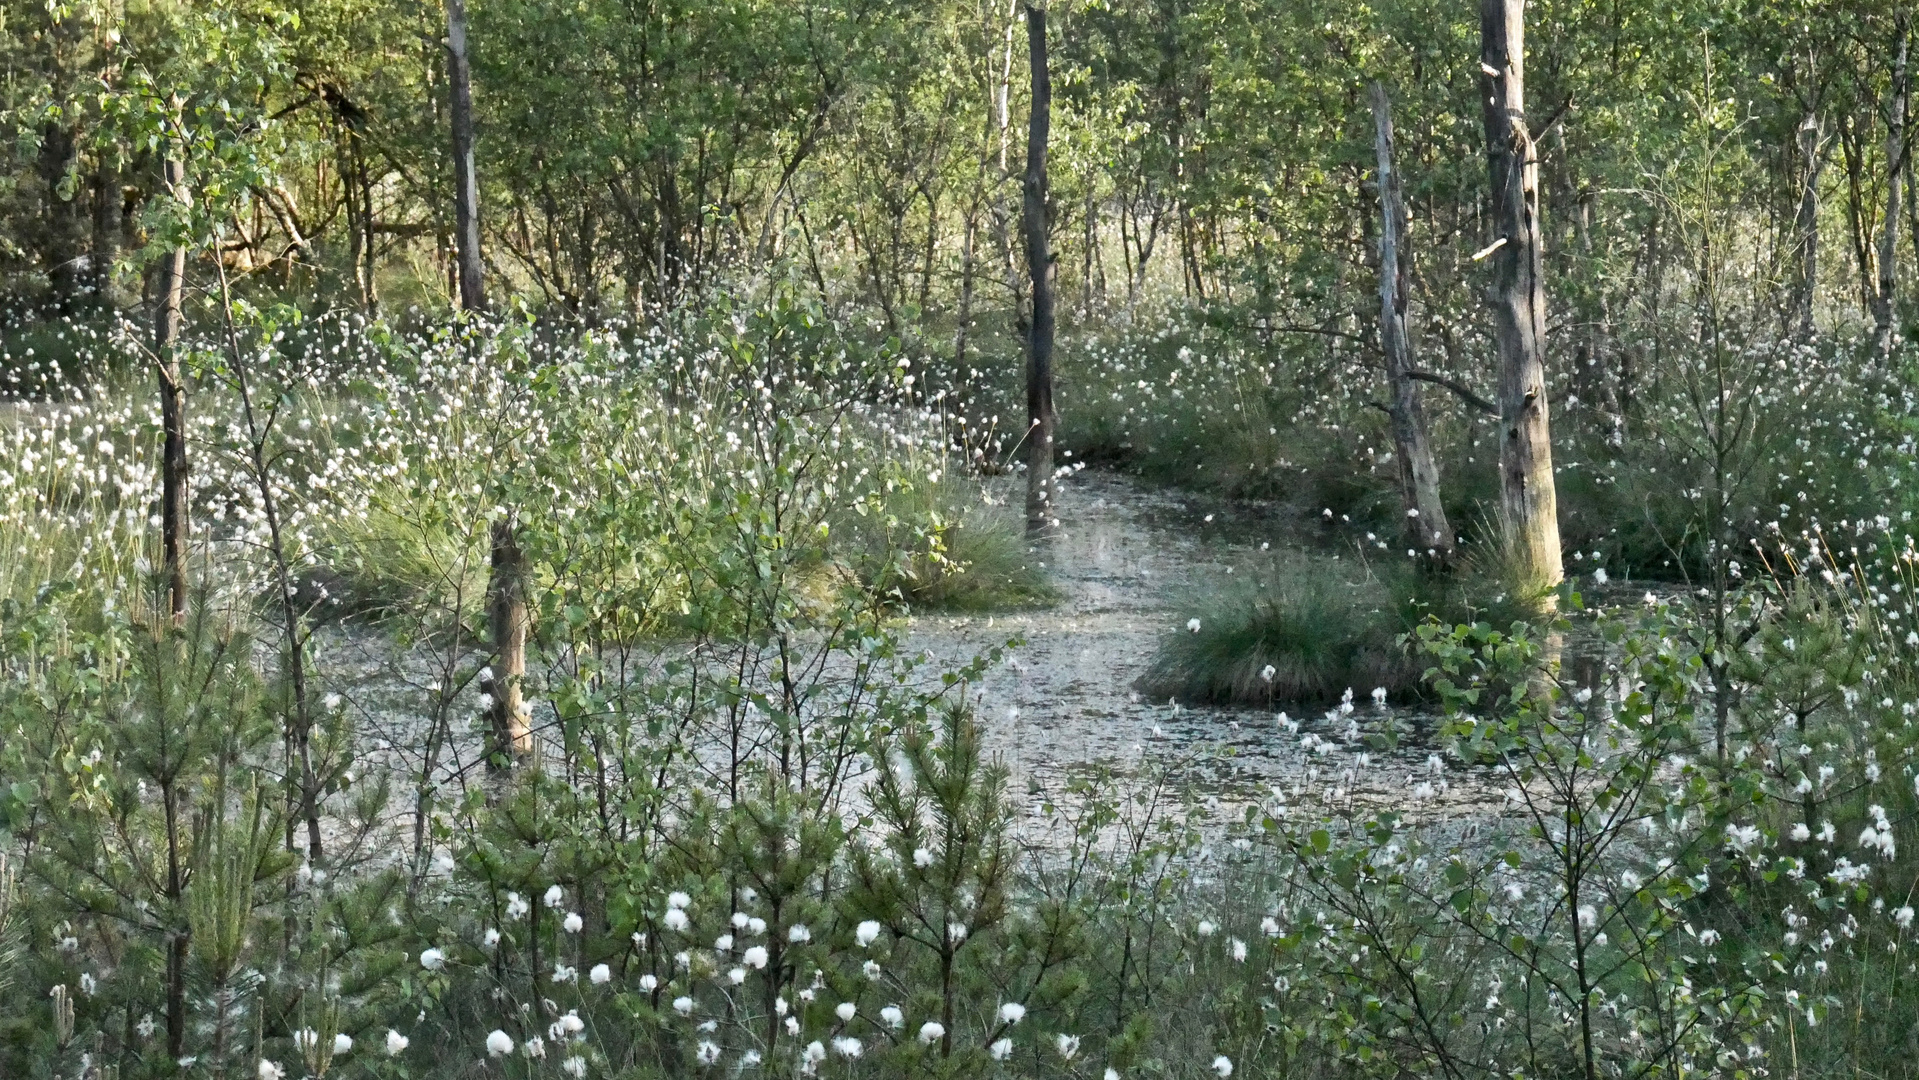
<point>512,730</point>
<point>1888,268</point>
<point>1426,524</point>
<point>1039,265</point>
<point>466,186</point>
<point>169,288</point>
<point>1529,508</point>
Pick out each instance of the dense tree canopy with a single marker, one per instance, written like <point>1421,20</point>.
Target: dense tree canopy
<point>629,151</point>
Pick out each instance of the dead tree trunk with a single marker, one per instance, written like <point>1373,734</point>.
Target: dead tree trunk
<point>1517,295</point>
<point>1812,155</point>
<point>1039,265</point>
<point>1888,256</point>
<point>466,187</point>
<point>512,731</point>
<point>1426,525</point>
<point>169,287</point>
<point>506,585</point>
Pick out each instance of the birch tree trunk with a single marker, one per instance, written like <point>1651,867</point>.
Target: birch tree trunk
<point>1002,215</point>
<point>1517,295</point>
<point>466,187</point>
<point>1888,255</point>
<point>1039,264</point>
<point>1426,525</point>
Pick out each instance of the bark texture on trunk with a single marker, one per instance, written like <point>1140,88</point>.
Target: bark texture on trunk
<point>1426,525</point>
<point>506,611</point>
<point>964,316</point>
<point>1888,256</point>
<point>466,186</point>
<point>169,288</point>
<point>178,946</point>
<point>1517,296</point>
<point>1039,264</point>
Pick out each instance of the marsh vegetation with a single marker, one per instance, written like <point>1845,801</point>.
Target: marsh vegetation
<point>1217,539</point>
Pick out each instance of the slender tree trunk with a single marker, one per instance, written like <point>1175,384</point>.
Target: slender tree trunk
<point>1143,250</point>
<point>1089,238</point>
<point>179,944</point>
<point>1529,508</point>
<point>1426,524</point>
<point>931,250</point>
<point>1039,265</point>
<point>1912,203</point>
<point>1196,285</point>
<point>356,233</point>
<point>466,186</point>
<point>169,288</point>
<point>1016,290</point>
<point>1812,157</point>
<point>964,316</point>
<point>179,940</point>
<point>1004,94</point>
<point>299,722</point>
<point>1888,260</point>
<point>1002,224</point>
<point>369,248</point>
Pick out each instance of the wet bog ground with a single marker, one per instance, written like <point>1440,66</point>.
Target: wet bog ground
<point>1129,561</point>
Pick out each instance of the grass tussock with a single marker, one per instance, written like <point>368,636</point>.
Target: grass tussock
<point>985,564</point>
<point>1308,631</point>
<point>401,557</point>
<point>1304,632</point>
<point>946,545</point>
